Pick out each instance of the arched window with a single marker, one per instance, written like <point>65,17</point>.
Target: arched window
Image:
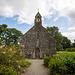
<point>37,35</point>
<point>38,19</point>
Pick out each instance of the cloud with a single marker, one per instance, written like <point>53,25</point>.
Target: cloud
<point>55,19</point>
<point>71,28</point>
<point>70,35</point>
<point>26,9</point>
<point>61,28</point>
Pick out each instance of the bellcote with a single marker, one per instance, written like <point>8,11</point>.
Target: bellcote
<point>38,19</point>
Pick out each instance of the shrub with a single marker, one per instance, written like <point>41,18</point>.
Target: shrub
<point>46,60</point>
<point>56,66</point>
<point>61,64</point>
<point>24,62</point>
<point>70,63</point>
<point>9,57</point>
<point>7,70</point>
<point>71,49</point>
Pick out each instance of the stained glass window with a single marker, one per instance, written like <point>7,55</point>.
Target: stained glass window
<point>37,35</point>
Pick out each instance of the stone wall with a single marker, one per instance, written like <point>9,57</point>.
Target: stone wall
<point>46,43</point>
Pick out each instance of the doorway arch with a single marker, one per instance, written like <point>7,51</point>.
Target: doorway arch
<point>37,53</point>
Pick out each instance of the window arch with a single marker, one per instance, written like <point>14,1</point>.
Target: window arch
<point>37,35</point>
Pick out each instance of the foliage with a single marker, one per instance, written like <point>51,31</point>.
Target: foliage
<point>66,43</point>
<point>71,49</point>
<point>9,36</point>
<point>56,66</point>
<point>7,70</point>
<point>54,31</point>
<point>61,41</point>
<point>66,52</point>
<point>62,63</point>
<point>24,63</point>
<point>73,44</point>
<point>9,57</point>
<point>0,42</point>
<point>46,60</point>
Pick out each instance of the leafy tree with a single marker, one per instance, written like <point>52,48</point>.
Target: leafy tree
<point>2,29</point>
<point>61,41</point>
<point>0,42</point>
<point>4,26</point>
<point>9,36</point>
<point>66,43</point>
<point>73,44</point>
<point>54,31</point>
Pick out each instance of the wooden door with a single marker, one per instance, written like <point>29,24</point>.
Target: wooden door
<point>37,53</point>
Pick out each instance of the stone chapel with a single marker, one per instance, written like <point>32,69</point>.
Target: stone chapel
<point>38,42</point>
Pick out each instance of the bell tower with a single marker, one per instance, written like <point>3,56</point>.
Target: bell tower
<point>38,19</point>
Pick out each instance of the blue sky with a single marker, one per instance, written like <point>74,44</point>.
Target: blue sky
<point>21,14</point>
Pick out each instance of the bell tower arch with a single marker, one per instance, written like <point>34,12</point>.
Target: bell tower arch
<point>38,19</point>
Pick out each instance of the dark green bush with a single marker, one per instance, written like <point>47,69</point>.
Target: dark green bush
<point>57,66</point>
<point>70,64</point>
<point>46,60</point>
<point>61,64</point>
<point>71,49</point>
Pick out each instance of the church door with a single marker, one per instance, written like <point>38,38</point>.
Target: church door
<point>37,53</point>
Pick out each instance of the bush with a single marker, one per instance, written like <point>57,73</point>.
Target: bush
<point>70,63</point>
<point>71,49</point>
<point>7,70</point>
<point>46,60</point>
<point>56,66</point>
<point>61,64</point>
<point>24,63</point>
<point>9,57</point>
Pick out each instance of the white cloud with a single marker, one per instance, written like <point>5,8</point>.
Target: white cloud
<point>55,19</point>
<point>70,35</point>
<point>71,28</point>
<point>61,28</point>
<point>65,7</point>
<point>26,9</point>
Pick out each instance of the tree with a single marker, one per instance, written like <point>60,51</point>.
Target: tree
<point>61,41</point>
<point>66,43</point>
<point>9,36</point>
<point>73,44</point>
<point>2,29</point>
<point>0,42</point>
<point>54,31</point>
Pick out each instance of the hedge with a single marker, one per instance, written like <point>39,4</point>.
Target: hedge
<point>61,64</point>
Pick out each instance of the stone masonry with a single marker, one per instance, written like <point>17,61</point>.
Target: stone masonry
<point>37,42</point>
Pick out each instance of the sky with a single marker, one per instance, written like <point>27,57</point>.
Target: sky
<point>20,14</point>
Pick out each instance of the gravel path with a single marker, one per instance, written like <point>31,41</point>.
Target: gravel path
<point>36,68</point>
